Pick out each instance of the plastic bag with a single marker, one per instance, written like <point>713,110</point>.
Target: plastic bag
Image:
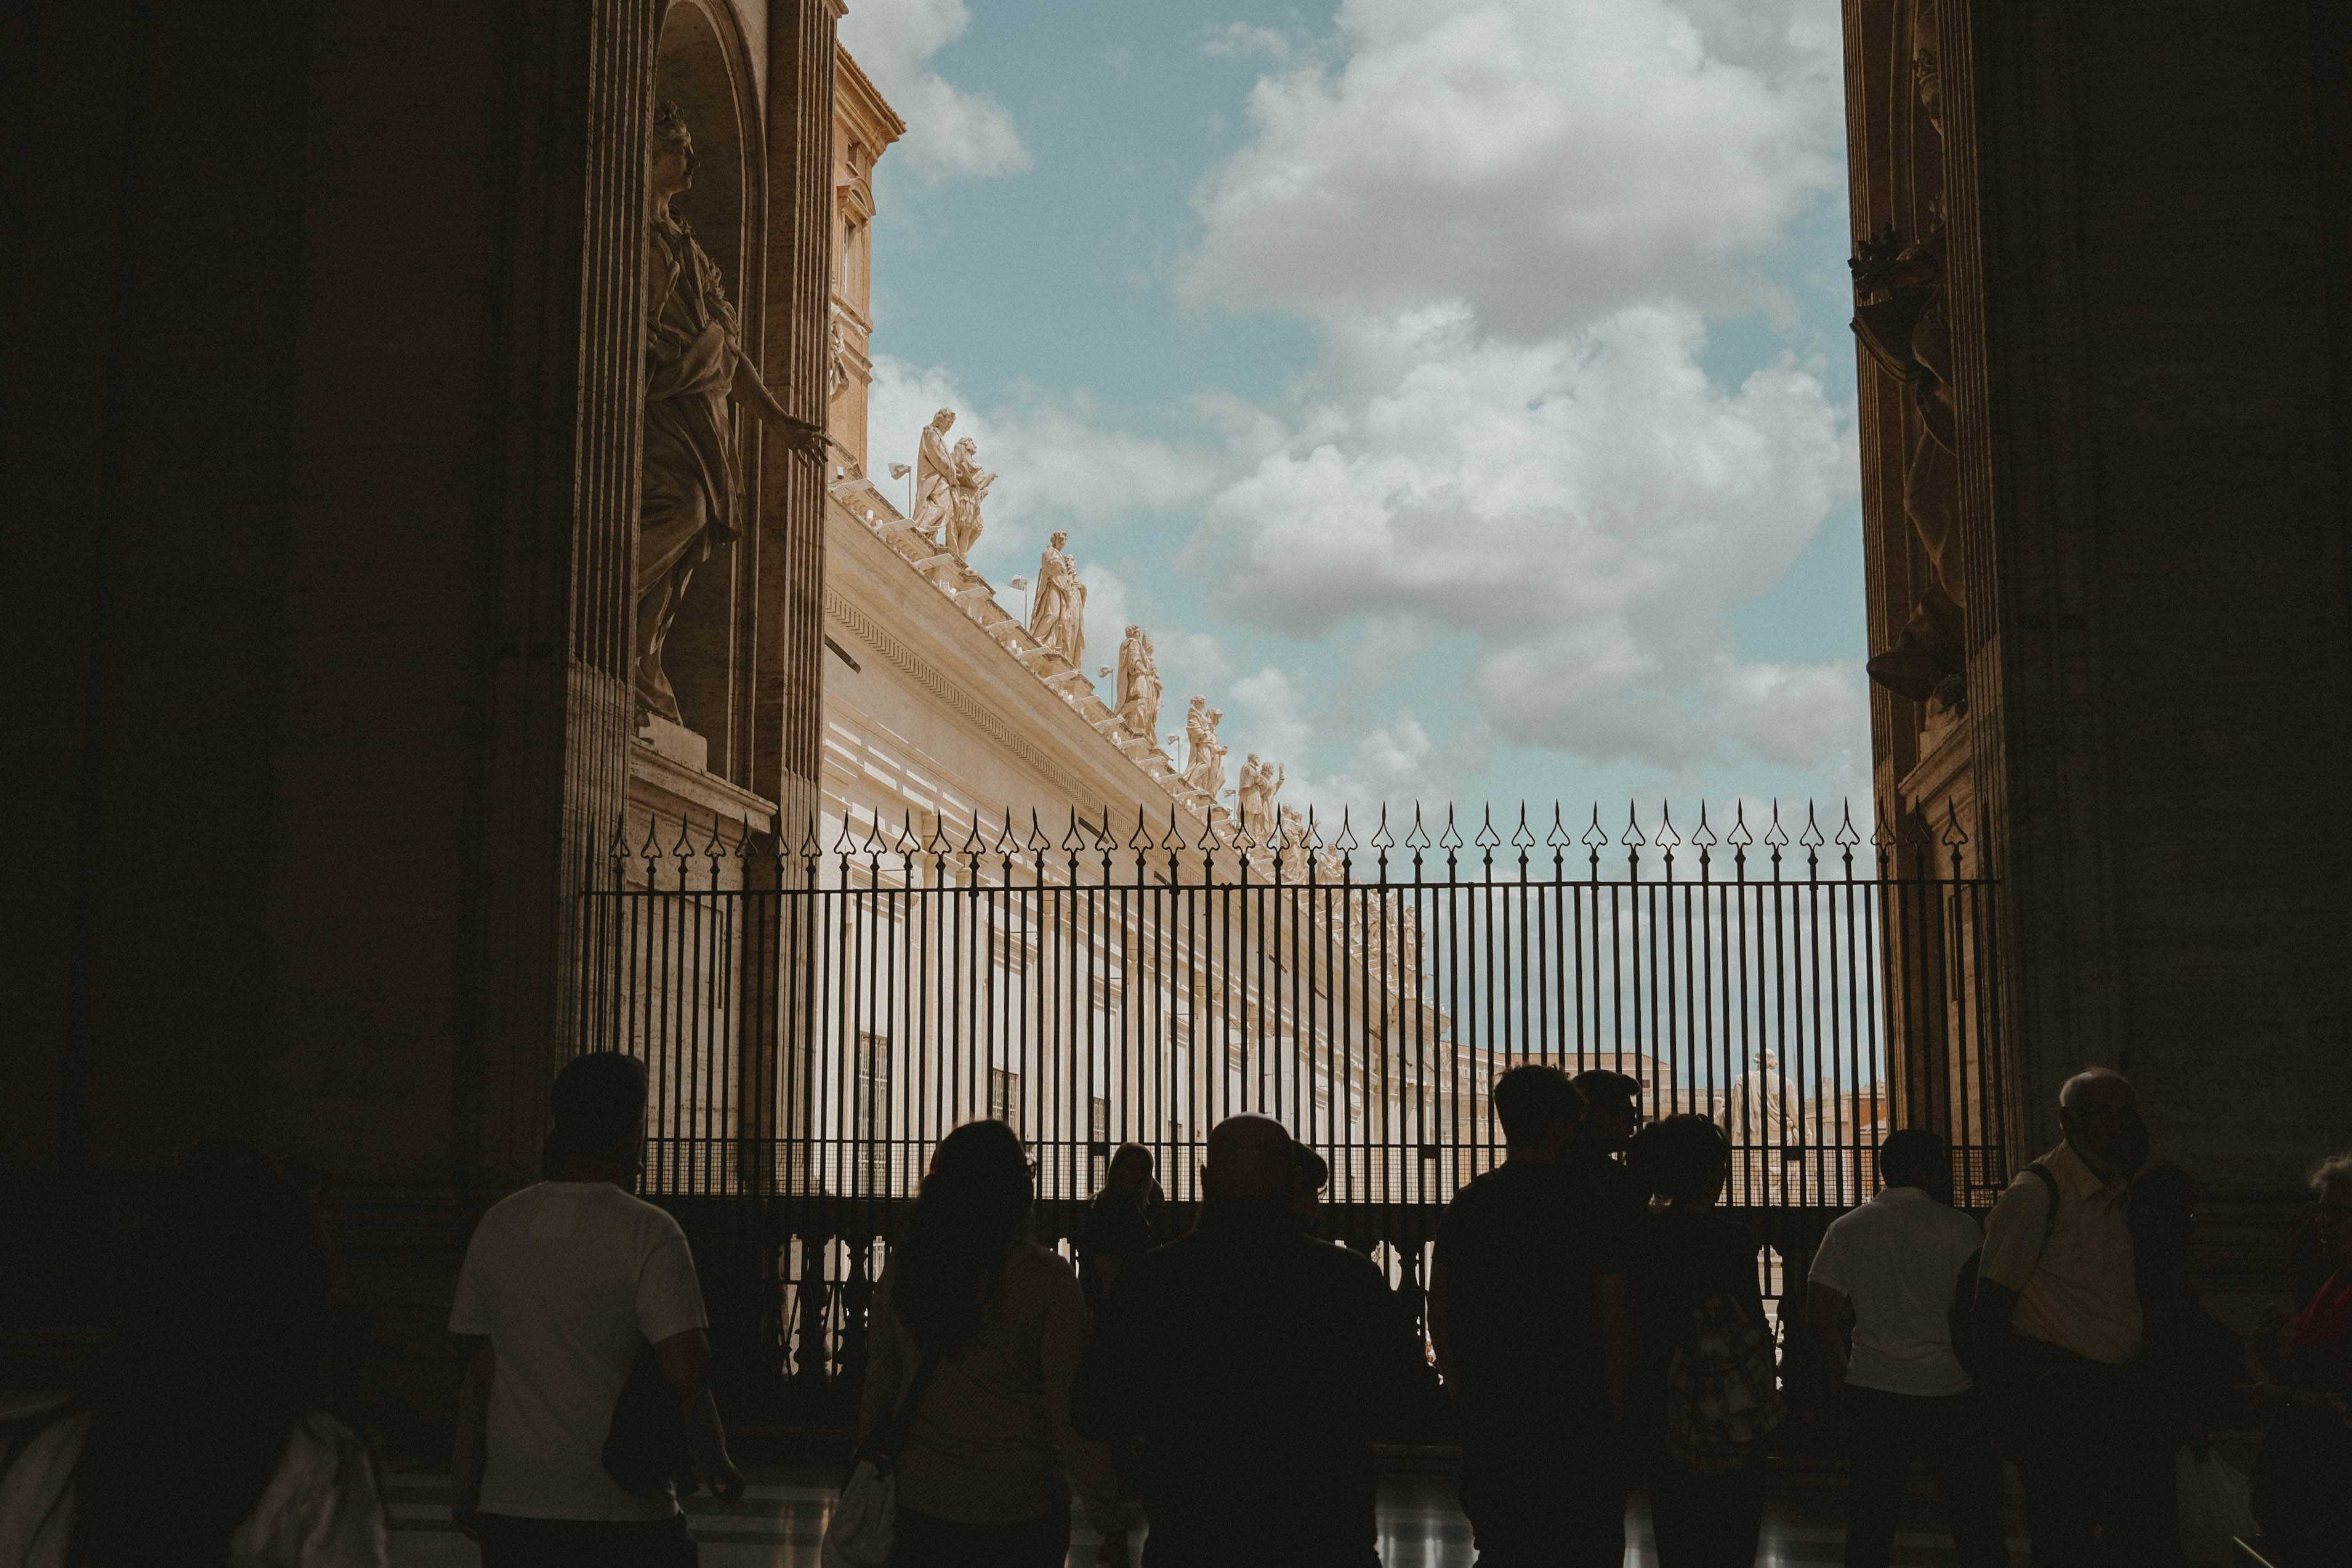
<point>864,1527</point>
<point>2213,1509</point>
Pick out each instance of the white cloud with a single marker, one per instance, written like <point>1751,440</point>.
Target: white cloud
<point>1508,473</point>
<point>1533,159</point>
<point>1584,511</point>
<point>1268,715</point>
<point>1271,713</point>
<point>1189,662</point>
<point>1106,617</point>
<point>951,132</point>
<point>1241,39</point>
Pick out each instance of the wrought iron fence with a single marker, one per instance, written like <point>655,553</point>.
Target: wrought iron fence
<point>816,1015</point>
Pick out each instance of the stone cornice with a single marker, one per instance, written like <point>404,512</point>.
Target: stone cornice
<point>860,102</point>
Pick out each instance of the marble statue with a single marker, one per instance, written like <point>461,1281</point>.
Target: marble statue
<point>1057,614</point>
<point>694,363</point>
<point>1759,1117</point>
<point>934,477</point>
<point>1259,783</point>
<point>1290,828</point>
<point>1204,760</point>
<point>1900,320</point>
<point>1138,685</point>
<point>967,486</point>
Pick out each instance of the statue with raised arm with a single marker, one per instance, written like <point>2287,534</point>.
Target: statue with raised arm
<point>934,477</point>
<point>967,485</point>
<point>1204,760</point>
<point>694,363</point>
<point>1057,616</point>
<point>1259,783</point>
<point>1138,685</point>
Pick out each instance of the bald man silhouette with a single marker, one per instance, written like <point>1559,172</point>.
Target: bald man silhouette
<point>1257,1363</point>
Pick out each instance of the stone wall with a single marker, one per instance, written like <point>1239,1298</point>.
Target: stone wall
<point>2149,316</point>
<point>335,332</point>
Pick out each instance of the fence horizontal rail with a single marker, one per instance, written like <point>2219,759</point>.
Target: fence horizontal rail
<point>1104,847</point>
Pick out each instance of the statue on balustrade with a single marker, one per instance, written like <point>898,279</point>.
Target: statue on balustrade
<point>1204,756</point>
<point>1138,686</point>
<point>967,486</point>
<point>934,477</point>
<point>1290,828</point>
<point>1258,784</point>
<point>1058,617</point>
<point>695,362</point>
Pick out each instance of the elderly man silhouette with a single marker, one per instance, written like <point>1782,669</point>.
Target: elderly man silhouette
<point>1257,1363</point>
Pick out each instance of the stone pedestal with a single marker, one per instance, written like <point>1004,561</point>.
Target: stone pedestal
<point>671,792</point>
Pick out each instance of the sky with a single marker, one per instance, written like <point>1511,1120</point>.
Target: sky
<point>1458,390</point>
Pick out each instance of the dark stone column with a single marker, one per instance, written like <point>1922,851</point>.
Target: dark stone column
<point>788,714</point>
<point>557,778</point>
<point>788,720</point>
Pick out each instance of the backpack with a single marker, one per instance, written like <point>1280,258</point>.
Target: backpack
<point>1723,1393</point>
<point>1974,1350</point>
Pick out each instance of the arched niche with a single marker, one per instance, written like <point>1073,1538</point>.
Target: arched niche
<point>703,68</point>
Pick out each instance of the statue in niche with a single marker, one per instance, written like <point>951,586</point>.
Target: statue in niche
<point>1138,685</point>
<point>1258,784</point>
<point>934,477</point>
<point>1901,321</point>
<point>967,486</point>
<point>836,359</point>
<point>1057,615</point>
<point>1204,758</point>
<point>694,363</point>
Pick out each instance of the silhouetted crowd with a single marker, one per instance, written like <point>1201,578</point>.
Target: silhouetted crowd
<point>1595,1322</point>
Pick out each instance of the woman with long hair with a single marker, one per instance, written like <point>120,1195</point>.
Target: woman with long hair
<point>985,1329</point>
<point>199,1442</point>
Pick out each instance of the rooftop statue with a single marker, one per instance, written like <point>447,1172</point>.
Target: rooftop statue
<point>1204,761</point>
<point>1057,615</point>
<point>967,485</point>
<point>1259,783</point>
<point>694,363</point>
<point>1138,685</point>
<point>934,477</point>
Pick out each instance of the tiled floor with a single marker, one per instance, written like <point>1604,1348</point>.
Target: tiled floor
<point>780,1522</point>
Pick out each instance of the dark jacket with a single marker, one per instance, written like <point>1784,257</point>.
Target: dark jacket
<point>1257,1363</point>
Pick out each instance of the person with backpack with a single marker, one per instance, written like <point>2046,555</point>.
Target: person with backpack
<point>2061,1339</point>
<point>1529,1316</point>
<point>1880,1305</point>
<point>1705,1397</point>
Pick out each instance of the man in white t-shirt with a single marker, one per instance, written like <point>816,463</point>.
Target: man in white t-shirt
<point>1880,1304</point>
<point>563,1285</point>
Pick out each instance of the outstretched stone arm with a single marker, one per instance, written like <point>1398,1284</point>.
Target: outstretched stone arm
<point>808,440</point>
